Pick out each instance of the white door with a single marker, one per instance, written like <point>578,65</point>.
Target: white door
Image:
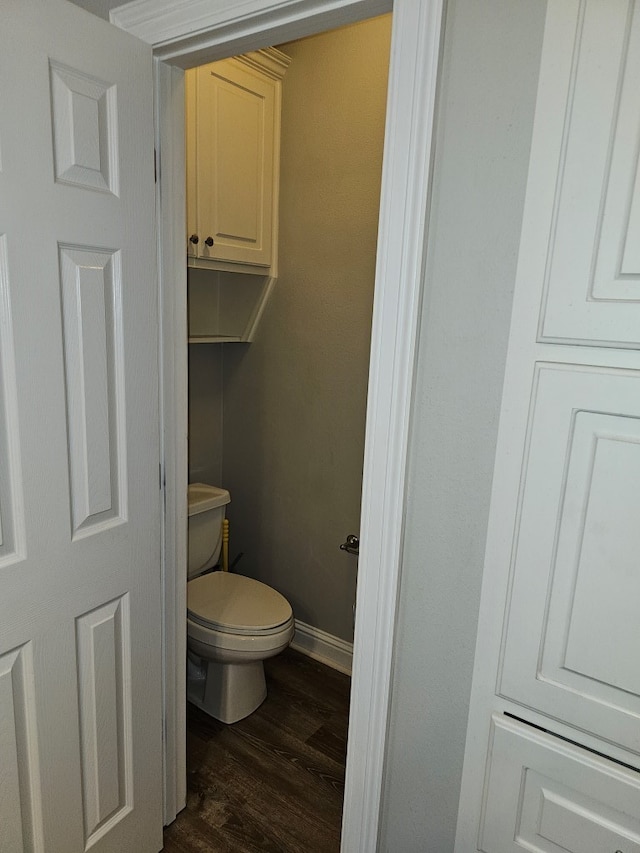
<point>80,702</point>
<point>553,746</point>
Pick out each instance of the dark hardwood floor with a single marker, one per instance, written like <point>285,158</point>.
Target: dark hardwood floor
<point>274,781</point>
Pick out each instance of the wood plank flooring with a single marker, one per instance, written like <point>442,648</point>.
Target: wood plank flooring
<point>274,781</point>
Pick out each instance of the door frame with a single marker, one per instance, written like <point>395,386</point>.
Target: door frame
<point>184,33</point>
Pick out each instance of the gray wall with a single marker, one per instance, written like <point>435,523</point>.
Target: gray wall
<point>205,413</point>
<point>294,400</point>
<point>489,76</point>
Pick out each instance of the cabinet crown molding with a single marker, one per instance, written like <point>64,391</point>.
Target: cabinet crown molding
<point>269,61</point>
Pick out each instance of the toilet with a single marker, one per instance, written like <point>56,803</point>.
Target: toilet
<point>233,622</point>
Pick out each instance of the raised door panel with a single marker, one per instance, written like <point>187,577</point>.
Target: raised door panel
<point>104,676</point>
<point>544,795</point>
<point>20,794</point>
<point>84,129</point>
<point>91,293</point>
<point>573,637</point>
<point>11,501</point>
<point>589,156</point>
<point>235,109</point>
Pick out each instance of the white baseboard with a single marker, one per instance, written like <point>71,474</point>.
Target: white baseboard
<point>323,647</point>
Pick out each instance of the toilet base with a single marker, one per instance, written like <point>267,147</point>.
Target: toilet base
<point>229,691</point>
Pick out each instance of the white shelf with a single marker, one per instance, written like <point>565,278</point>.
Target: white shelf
<point>225,306</point>
<point>214,339</point>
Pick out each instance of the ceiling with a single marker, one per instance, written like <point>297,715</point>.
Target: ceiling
<point>99,7</point>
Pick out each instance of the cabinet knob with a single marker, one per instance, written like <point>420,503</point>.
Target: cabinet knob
<point>209,241</point>
<point>194,239</point>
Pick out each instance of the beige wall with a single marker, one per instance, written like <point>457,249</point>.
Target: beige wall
<point>294,400</point>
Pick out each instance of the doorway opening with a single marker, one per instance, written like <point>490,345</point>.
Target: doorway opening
<point>280,421</point>
<point>192,38</point>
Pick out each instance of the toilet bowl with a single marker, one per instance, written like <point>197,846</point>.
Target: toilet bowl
<point>233,622</point>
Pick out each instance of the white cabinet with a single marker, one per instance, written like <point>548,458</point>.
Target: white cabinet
<point>559,636</point>
<point>233,142</point>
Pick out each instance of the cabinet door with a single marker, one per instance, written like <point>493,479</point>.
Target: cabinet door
<point>545,795</point>
<point>234,142</point>
<point>572,643</point>
<point>592,276</point>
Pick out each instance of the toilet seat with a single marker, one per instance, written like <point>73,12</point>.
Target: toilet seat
<point>211,643</point>
<point>234,604</point>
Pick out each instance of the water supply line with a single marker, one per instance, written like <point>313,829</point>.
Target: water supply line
<point>225,545</point>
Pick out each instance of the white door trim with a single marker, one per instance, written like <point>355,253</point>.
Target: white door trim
<point>185,33</point>
<point>170,197</point>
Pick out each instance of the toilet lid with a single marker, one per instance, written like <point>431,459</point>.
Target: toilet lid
<point>234,603</point>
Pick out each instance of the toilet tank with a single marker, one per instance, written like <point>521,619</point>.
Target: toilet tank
<point>206,506</point>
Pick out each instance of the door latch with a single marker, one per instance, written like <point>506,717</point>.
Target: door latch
<point>351,545</point>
